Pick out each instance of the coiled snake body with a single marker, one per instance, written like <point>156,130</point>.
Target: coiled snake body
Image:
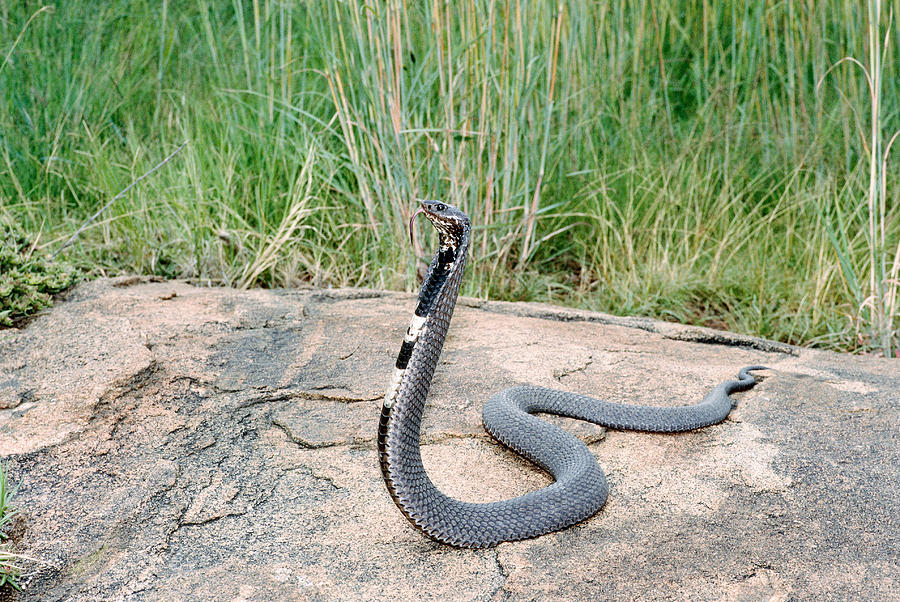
<point>580,487</point>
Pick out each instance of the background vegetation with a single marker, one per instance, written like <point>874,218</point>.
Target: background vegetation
<point>682,159</point>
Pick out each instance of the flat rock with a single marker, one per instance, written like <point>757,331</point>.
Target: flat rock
<point>171,442</point>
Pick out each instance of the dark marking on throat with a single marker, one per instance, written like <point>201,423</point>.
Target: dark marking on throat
<point>405,353</point>
<point>431,287</point>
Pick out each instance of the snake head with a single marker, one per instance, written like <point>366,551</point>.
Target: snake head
<point>450,222</point>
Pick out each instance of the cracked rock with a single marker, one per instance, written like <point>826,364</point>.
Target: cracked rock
<point>175,442</point>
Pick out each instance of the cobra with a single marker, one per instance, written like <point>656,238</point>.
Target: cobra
<point>579,489</point>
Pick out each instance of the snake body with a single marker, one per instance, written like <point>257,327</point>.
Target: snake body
<point>579,489</point>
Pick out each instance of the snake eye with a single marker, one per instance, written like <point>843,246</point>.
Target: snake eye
<point>439,206</point>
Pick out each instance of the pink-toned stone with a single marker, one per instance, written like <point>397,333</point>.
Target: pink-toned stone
<point>180,443</point>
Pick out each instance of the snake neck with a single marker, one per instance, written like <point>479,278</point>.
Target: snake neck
<point>399,428</point>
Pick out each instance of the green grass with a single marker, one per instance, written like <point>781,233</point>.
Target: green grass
<point>10,569</point>
<point>672,159</point>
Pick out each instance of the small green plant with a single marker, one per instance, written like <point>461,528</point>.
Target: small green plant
<point>10,569</point>
<point>26,278</point>
<point>6,511</point>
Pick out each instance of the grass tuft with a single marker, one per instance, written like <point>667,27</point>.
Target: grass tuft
<point>10,562</point>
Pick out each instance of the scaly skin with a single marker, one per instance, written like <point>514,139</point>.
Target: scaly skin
<point>580,487</point>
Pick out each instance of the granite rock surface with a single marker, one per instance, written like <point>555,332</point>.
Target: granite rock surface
<point>171,442</point>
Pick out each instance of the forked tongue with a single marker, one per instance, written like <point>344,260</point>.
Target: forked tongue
<point>412,223</point>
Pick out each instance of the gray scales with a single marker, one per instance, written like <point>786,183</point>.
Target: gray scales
<point>579,489</point>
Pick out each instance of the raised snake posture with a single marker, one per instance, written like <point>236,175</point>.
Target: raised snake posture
<point>580,487</point>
